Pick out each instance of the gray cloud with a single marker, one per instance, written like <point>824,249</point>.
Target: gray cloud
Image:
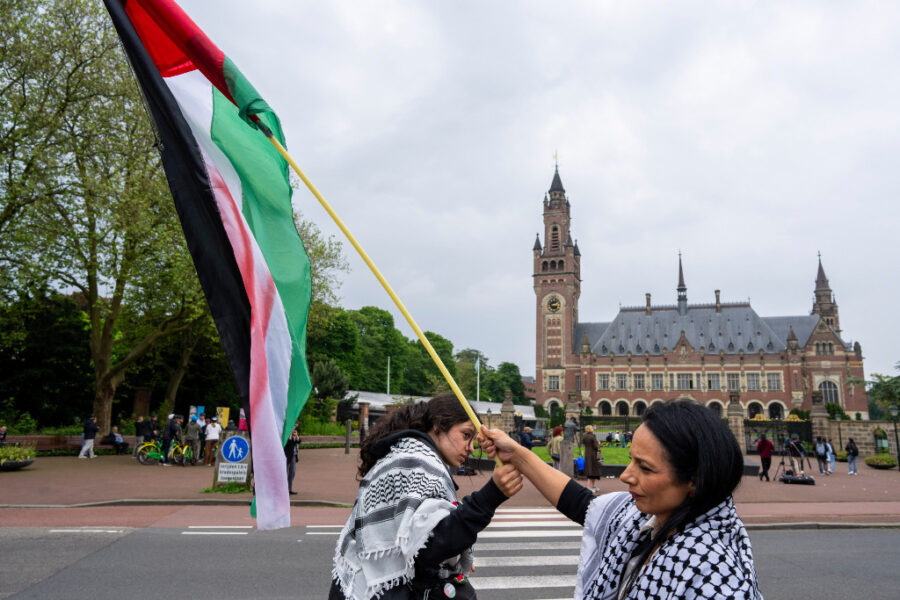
<point>748,135</point>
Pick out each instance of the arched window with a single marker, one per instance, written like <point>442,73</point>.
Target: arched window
<point>754,409</point>
<point>830,348</point>
<point>554,238</point>
<point>775,411</point>
<point>561,265</point>
<point>544,267</point>
<point>716,408</point>
<point>639,408</point>
<point>829,391</point>
<point>622,408</point>
<point>552,265</point>
<point>605,408</point>
<point>818,348</point>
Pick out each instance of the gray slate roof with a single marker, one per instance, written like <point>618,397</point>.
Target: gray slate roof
<point>737,327</point>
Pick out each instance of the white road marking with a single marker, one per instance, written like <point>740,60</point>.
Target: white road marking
<point>321,526</point>
<point>86,531</point>
<point>523,581</point>
<point>526,561</point>
<point>214,533</point>
<point>323,533</point>
<point>530,524</point>
<point>501,547</point>
<point>220,526</point>
<point>543,516</point>
<point>531,534</point>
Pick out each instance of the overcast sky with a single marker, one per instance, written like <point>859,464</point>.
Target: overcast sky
<point>747,135</point>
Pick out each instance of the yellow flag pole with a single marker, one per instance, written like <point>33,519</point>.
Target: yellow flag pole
<point>387,287</point>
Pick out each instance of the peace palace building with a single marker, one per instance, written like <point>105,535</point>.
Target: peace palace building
<point>701,351</point>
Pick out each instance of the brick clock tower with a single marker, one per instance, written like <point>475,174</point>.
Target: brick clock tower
<point>557,286</point>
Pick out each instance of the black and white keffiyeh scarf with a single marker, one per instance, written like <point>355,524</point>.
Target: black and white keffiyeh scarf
<point>400,501</point>
<point>711,558</point>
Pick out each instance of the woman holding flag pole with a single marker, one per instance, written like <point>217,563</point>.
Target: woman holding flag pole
<point>408,536</point>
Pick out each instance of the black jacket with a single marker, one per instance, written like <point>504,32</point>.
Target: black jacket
<point>90,430</point>
<point>452,535</point>
<point>143,429</point>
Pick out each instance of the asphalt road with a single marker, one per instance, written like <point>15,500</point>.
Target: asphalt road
<point>516,559</point>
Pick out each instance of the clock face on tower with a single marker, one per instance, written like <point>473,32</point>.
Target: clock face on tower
<point>553,304</point>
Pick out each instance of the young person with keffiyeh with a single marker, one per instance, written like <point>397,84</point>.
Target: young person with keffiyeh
<point>675,533</point>
<point>407,536</point>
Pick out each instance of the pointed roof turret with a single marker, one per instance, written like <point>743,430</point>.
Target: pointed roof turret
<point>682,289</point>
<point>557,185</point>
<point>821,279</point>
<point>537,242</point>
<point>569,239</point>
<point>577,251</point>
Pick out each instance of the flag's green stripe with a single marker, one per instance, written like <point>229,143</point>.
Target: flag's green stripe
<point>267,209</point>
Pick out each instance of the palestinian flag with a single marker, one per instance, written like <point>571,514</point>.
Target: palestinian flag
<point>233,196</point>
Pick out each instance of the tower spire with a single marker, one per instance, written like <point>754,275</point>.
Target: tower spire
<point>821,279</point>
<point>682,288</point>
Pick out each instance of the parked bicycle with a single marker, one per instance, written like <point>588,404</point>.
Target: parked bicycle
<point>150,453</point>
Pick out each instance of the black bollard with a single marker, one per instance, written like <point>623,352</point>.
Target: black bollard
<point>347,441</point>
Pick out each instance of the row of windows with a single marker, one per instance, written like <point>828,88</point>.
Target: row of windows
<point>621,408</point>
<point>690,381</point>
<point>824,348</point>
<point>553,265</point>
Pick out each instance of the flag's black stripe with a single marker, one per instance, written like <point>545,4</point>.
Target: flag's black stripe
<point>207,241</point>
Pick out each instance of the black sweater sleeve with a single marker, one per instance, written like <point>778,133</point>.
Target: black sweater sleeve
<point>574,501</point>
<point>458,530</point>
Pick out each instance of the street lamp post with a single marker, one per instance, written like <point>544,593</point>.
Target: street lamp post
<point>838,418</point>
<point>893,410</point>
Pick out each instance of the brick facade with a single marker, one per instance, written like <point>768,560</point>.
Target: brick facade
<point>652,352</point>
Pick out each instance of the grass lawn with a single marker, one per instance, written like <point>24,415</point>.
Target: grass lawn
<point>611,456</point>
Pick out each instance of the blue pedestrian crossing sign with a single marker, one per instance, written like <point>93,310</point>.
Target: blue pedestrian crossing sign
<point>235,449</point>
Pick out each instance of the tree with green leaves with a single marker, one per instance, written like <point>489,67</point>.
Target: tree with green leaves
<point>98,218</point>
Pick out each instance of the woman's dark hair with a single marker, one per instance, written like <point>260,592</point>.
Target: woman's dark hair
<point>700,449</point>
<point>441,412</point>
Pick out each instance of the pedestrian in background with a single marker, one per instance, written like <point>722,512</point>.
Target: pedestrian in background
<point>554,447</point>
<point>141,432</point>
<point>89,433</point>
<point>765,449</point>
<point>831,457</point>
<point>526,439</point>
<point>192,435</point>
<point>592,457</point>
<point>852,453</point>
<point>292,454</point>
<point>213,431</point>
<point>821,451</point>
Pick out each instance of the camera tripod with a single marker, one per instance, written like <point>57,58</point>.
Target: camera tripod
<point>781,469</point>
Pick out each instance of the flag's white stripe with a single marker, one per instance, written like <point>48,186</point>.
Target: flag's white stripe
<point>194,95</point>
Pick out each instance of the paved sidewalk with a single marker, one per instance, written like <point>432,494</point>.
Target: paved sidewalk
<point>328,477</point>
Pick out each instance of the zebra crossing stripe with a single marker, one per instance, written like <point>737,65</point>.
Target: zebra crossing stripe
<point>526,561</point>
<point>531,533</point>
<point>501,547</point>
<point>532,524</point>
<point>523,581</point>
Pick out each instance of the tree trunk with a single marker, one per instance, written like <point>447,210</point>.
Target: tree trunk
<point>168,405</point>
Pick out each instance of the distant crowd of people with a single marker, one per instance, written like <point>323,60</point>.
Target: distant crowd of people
<point>201,434</point>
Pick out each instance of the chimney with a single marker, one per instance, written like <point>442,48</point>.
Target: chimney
<point>648,302</point>
<point>718,301</point>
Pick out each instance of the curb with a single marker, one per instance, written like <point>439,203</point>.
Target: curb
<point>819,525</point>
<point>176,502</point>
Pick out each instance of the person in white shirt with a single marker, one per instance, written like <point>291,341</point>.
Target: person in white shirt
<point>213,430</point>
